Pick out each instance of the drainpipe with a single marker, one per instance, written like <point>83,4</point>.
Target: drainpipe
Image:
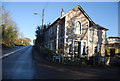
<point>73,48</point>
<point>88,42</point>
<point>57,39</point>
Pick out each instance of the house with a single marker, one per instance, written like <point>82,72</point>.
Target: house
<point>76,34</point>
<point>113,46</point>
<point>112,40</point>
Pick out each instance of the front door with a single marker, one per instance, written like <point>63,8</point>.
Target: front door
<point>79,49</point>
<point>112,52</point>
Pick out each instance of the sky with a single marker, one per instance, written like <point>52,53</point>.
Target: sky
<point>103,13</point>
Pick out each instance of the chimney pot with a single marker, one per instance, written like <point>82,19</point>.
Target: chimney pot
<point>62,12</point>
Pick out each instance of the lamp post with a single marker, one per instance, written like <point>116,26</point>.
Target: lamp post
<point>36,13</point>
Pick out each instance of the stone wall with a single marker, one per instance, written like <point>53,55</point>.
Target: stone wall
<point>62,36</point>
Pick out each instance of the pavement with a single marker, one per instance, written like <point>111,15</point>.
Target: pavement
<point>10,49</point>
<point>21,65</point>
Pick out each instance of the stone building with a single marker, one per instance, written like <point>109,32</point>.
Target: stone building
<point>112,40</point>
<point>113,46</point>
<point>75,33</point>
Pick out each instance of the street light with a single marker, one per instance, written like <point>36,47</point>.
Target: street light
<point>36,13</point>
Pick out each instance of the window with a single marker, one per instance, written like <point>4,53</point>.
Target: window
<point>118,39</point>
<point>51,29</point>
<point>91,35</point>
<point>78,29</point>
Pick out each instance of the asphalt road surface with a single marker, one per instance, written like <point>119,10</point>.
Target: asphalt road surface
<point>21,65</point>
<point>10,49</point>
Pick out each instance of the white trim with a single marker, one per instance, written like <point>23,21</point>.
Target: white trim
<point>88,39</point>
<point>65,36</point>
<point>93,52</point>
<point>81,48</point>
<point>82,45</point>
<point>75,22</point>
<point>98,47</point>
<point>73,47</point>
<point>57,37</point>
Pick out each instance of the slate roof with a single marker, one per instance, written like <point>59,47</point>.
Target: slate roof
<point>100,27</point>
<point>85,14</point>
<point>113,37</point>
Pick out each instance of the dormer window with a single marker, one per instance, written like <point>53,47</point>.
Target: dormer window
<point>78,29</point>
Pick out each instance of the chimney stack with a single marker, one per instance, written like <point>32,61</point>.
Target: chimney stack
<point>62,12</point>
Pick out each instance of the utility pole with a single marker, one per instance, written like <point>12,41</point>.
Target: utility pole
<point>42,18</point>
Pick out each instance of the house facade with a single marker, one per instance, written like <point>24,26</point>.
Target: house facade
<point>75,33</point>
<point>112,40</point>
<point>113,46</point>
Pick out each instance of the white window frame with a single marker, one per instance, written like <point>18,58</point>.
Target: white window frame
<point>80,29</point>
<point>82,45</point>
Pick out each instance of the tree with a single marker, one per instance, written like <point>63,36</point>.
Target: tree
<point>40,35</point>
<point>9,29</point>
<point>0,14</point>
<point>22,42</point>
<point>34,41</point>
<point>18,42</point>
<point>0,34</point>
<point>9,35</point>
<point>26,41</point>
<point>0,24</point>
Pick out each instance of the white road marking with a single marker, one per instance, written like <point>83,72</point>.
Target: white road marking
<point>7,54</point>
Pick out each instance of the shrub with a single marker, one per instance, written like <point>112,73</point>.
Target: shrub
<point>81,62</point>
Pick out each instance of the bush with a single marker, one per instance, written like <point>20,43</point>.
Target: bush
<point>48,54</point>
<point>81,62</point>
<point>44,52</point>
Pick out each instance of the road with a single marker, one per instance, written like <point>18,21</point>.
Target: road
<point>10,49</point>
<point>20,65</point>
